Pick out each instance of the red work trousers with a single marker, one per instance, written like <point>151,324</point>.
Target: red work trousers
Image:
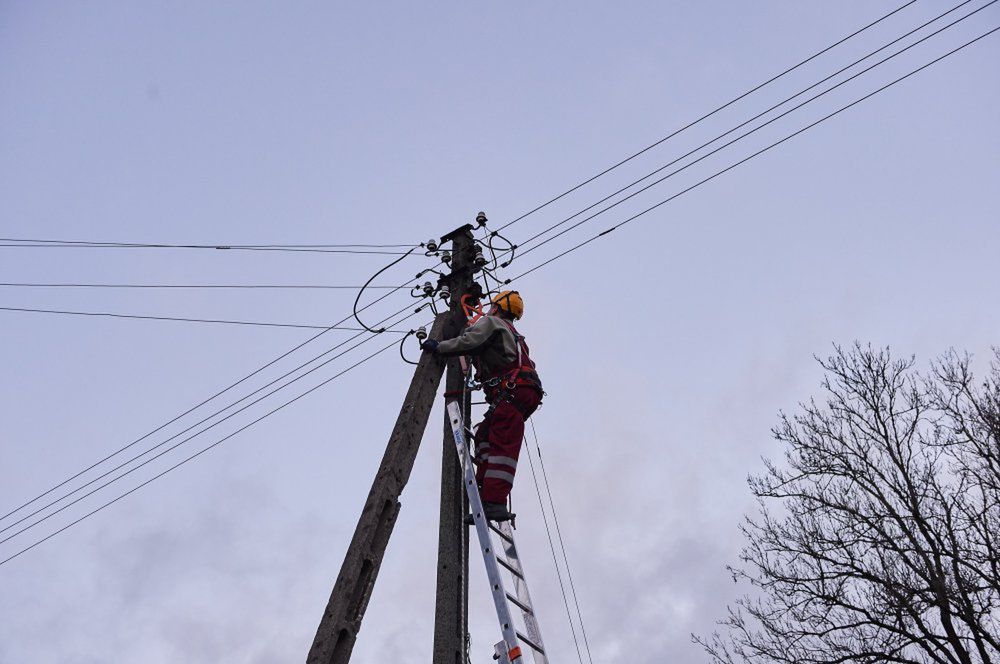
<point>498,442</point>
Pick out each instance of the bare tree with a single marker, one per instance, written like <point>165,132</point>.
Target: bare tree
<point>878,538</point>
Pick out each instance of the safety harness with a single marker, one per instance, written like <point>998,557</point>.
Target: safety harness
<point>521,371</point>
<point>499,387</point>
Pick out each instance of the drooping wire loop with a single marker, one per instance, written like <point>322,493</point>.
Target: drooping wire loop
<point>367,283</point>
<point>402,344</point>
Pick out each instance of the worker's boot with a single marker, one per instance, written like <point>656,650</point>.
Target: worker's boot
<point>492,512</point>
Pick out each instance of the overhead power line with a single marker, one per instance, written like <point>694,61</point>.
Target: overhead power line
<point>755,154</point>
<point>635,193</point>
<point>216,395</point>
<point>521,275</point>
<point>562,543</point>
<point>361,291</point>
<point>534,237</point>
<point>552,548</point>
<point>194,435</point>
<point>25,243</point>
<point>193,456</point>
<point>706,116</point>
<point>186,320</point>
<point>187,286</point>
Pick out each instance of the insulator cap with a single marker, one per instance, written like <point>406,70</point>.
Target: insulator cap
<point>428,288</point>
<point>446,256</point>
<point>432,245</point>
<point>421,333</point>
<point>444,293</point>
<point>481,218</point>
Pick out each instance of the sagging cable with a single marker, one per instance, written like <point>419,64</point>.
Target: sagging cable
<point>371,279</point>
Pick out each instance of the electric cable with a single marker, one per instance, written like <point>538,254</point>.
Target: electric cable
<point>707,115</point>
<point>406,245</point>
<point>746,122</point>
<point>490,290</point>
<point>362,290</point>
<point>185,440</point>
<point>488,272</point>
<point>195,455</point>
<point>183,286</point>
<point>403,341</point>
<point>578,246</point>
<point>82,244</point>
<point>200,422</point>
<point>755,154</point>
<point>786,138</point>
<point>185,246</point>
<point>197,406</point>
<point>308,251</point>
<point>188,320</point>
<point>562,544</point>
<point>552,548</point>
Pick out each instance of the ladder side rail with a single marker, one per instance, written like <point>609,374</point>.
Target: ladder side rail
<point>485,540</point>
<point>522,594</point>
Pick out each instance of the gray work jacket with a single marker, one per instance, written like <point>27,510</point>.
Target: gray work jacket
<point>490,340</point>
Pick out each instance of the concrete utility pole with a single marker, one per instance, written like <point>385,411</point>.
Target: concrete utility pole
<point>451,620</point>
<point>338,629</point>
<point>341,621</point>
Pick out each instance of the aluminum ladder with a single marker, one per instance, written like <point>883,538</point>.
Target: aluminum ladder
<point>507,651</point>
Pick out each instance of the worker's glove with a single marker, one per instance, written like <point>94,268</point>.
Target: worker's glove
<point>430,345</point>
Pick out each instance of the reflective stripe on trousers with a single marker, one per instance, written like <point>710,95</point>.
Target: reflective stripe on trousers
<point>498,443</point>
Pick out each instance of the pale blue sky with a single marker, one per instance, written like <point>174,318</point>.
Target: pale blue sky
<point>667,348</point>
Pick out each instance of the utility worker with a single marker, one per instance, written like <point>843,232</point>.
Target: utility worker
<point>513,391</point>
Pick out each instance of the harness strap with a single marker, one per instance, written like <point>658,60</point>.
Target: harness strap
<point>521,348</point>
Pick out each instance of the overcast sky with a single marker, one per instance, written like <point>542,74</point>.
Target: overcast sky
<point>667,348</point>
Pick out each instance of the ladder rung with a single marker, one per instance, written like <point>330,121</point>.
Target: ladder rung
<point>520,605</point>
<point>501,533</point>
<point>510,569</point>
<point>534,646</point>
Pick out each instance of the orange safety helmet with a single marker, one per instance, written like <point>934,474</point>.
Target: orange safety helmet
<point>511,302</point>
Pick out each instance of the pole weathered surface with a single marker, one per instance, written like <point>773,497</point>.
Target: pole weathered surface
<point>451,618</point>
<point>338,629</point>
